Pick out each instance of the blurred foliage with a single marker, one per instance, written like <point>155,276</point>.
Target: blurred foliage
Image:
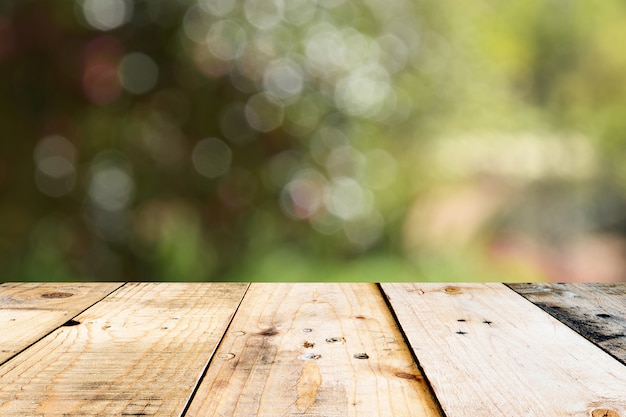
<point>310,139</point>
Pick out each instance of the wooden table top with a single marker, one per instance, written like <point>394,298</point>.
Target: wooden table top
<point>236,349</point>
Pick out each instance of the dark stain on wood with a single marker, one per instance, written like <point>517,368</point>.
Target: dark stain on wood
<point>269,332</point>
<point>581,322</point>
<point>406,375</point>
<point>584,312</point>
<point>452,290</point>
<point>57,295</point>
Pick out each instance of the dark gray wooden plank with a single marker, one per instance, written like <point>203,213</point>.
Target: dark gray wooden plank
<point>597,311</point>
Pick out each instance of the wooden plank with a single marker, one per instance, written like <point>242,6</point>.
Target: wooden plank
<point>29,311</point>
<point>140,351</point>
<point>316,350</point>
<point>596,311</point>
<point>488,352</point>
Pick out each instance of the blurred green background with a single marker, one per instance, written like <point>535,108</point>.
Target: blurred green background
<point>342,140</point>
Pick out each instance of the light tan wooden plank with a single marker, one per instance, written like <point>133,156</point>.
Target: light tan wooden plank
<point>140,351</point>
<point>29,311</point>
<point>488,352</point>
<point>290,351</point>
<point>597,311</point>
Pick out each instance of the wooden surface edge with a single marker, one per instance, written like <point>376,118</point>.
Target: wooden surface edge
<point>30,311</point>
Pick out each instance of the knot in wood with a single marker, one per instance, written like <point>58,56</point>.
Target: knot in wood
<point>56,295</point>
<point>603,412</point>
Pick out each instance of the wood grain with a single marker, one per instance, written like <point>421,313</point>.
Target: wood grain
<point>316,350</point>
<point>488,352</point>
<point>140,351</point>
<point>596,311</point>
<point>29,311</point>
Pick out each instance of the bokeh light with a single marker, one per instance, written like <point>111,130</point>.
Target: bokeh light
<point>55,158</point>
<point>138,73</point>
<point>212,157</point>
<point>111,187</point>
<point>264,113</point>
<point>107,14</point>
<point>264,14</point>
<point>260,139</point>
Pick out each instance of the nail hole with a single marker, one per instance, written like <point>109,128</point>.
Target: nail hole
<point>461,332</point>
<point>361,356</point>
<point>336,340</point>
<point>405,375</point>
<point>310,356</point>
<point>56,295</point>
<point>462,320</point>
<point>308,345</point>
<point>307,330</point>
<point>227,356</point>
<point>603,315</point>
<point>487,322</point>
<point>70,323</point>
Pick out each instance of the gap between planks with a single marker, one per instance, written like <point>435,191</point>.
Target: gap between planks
<point>208,364</point>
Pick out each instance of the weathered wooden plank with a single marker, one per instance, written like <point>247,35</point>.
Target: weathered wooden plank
<point>596,311</point>
<point>316,350</point>
<point>29,311</point>
<point>140,351</point>
<point>488,352</point>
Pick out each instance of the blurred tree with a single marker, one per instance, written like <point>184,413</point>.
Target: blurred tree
<point>262,139</point>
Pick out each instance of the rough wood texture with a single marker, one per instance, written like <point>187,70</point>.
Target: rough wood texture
<point>488,352</point>
<point>138,352</point>
<point>596,311</point>
<point>316,350</point>
<point>29,311</point>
